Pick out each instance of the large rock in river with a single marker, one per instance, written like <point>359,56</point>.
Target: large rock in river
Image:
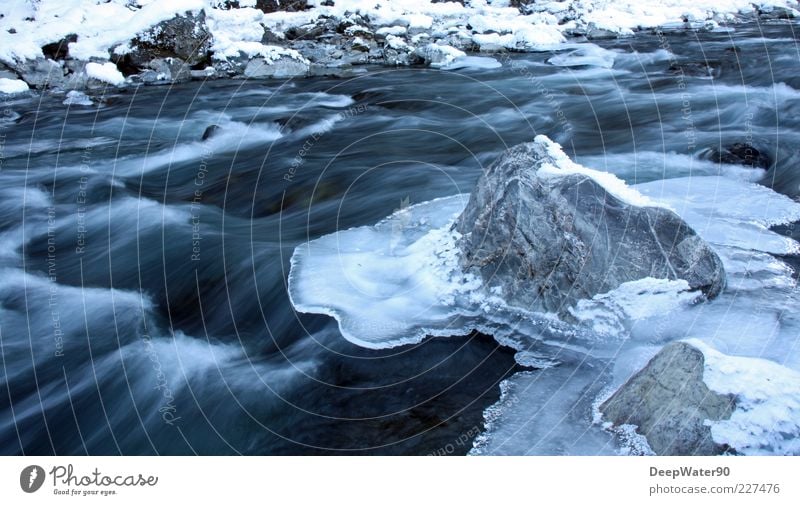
<point>549,232</point>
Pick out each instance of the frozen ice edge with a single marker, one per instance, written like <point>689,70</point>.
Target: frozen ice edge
<point>419,334</point>
<point>732,205</point>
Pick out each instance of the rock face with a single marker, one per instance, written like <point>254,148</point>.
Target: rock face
<point>669,403</point>
<point>283,67</point>
<point>549,237</point>
<point>59,50</point>
<point>42,73</point>
<point>184,37</point>
<point>281,5</point>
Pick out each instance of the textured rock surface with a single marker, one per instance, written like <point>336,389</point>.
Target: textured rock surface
<point>549,241</point>
<point>742,153</point>
<point>185,37</point>
<point>41,73</point>
<point>669,403</point>
<point>281,68</point>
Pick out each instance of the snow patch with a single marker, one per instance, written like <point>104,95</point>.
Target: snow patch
<point>609,313</point>
<point>12,86</point>
<point>767,395</point>
<point>557,164</point>
<point>77,98</point>
<point>105,72</point>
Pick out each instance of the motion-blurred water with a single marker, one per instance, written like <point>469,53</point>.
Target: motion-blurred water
<point>143,304</point>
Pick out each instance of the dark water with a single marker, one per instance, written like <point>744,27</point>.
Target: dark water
<point>143,304</point>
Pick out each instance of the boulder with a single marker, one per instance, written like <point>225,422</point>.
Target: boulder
<point>41,73</point>
<point>280,68</point>
<point>184,36</point>
<point>670,403</point>
<point>545,232</point>
<point>59,50</point>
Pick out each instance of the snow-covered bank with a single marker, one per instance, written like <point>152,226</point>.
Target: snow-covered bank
<point>49,42</point>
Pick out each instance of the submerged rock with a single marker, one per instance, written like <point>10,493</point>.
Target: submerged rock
<point>669,403</point>
<point>544,232</point>
<point>211,131</point>
<point>741,154</point>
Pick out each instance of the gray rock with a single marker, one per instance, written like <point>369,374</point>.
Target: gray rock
<point>669,403</point>
<point>41,73</point>
<point>281,68</point>
<point>361,45</point>
<point>397,57</point>
<point>211,131</point>
<point>595,33</point>
<point>281,5</point>
<point>172,69</point>
<point>184,36</point>
<point>325,54</point>
<point>550,241</point>
<point>150,77</point>
<point>76,81</point>
<point>7,73</point>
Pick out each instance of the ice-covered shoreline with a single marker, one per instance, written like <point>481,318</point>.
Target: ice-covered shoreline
<point>67,44</point>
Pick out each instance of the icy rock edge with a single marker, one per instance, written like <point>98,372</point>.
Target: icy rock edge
<point>693,400</point>
<point>548,232</point>
<point>541,246</point>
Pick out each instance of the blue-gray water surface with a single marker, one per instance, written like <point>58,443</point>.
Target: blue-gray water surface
<point>143,270</point>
